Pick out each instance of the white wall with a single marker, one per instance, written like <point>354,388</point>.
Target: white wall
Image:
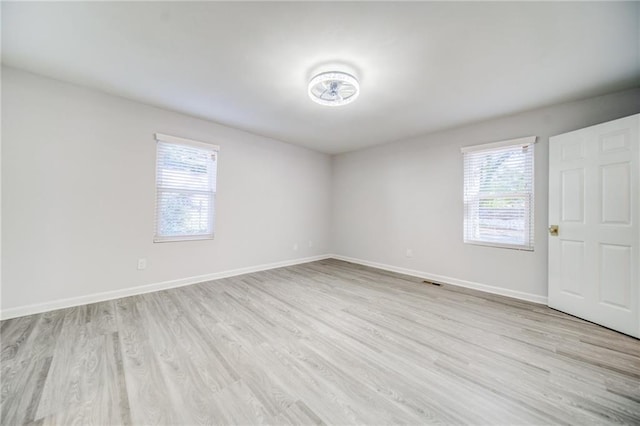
<point>78,198</point>
<point>78,195</point>
<point>408,194</point>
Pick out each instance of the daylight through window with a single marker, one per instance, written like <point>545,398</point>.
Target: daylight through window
<point>185,189</point>
<point>498,194</point>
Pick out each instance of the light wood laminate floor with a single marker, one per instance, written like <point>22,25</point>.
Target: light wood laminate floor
<point>322,343</point>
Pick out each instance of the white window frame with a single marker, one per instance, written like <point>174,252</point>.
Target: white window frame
<point>209,148</point>
<point>471,200</point>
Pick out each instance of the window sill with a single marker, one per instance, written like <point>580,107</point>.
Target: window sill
<point>182,238</point>
<point>498,245</point>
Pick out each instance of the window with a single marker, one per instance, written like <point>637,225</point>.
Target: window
<point>185,189</point>
<point>498,194</point>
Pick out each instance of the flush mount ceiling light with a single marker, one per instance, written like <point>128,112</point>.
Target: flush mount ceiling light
<point>334,88</point>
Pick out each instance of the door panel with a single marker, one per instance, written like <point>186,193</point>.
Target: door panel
<point>572,149</point>
<point>615,275</point>
<point>572,195</point>
<point>616,193</point>
<point>616,141</point>
<point>594,199</point>
<point>572,266</point>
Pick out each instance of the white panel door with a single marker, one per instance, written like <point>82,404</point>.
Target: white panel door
<point>594,191</point>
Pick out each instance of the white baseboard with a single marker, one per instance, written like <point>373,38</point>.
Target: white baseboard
<point>148,288</point>
<point>448,280</point>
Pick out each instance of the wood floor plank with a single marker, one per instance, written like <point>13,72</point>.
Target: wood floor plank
<point>22,385</point>
<point>298,414</point>
<point>327,342</point>
<point>95,398</point>
<point>149,399</point>
<point>15,333</point>
<point>42,341</point>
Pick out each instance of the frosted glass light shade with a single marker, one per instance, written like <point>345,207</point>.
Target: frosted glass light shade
<point>334,88</point>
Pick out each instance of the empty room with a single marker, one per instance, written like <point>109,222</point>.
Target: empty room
<point>331,213</point>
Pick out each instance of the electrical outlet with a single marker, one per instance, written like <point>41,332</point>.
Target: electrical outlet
<point>295,247</point>
<point>142,264</point>
<point>409,253</point>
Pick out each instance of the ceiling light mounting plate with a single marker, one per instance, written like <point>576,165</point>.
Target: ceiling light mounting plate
<point>334,88</point>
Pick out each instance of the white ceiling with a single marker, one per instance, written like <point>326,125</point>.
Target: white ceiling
<point>422,66</point>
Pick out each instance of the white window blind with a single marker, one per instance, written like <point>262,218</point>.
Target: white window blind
<point>498,194</point>
<point>185,189</point>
